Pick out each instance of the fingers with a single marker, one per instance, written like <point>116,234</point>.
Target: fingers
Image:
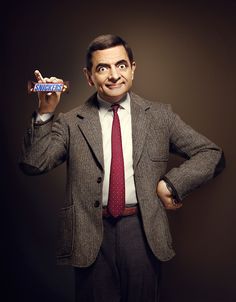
<point>41,79</point>
<point>173,207</point>
<point>38,76</point>
<point>170,204</point>
<point>54,80</point>
<point>176,206</point>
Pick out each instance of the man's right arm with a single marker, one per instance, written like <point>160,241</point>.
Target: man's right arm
<point>45,141</point>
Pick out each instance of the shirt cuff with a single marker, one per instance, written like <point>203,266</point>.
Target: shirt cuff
<point>43,117</point>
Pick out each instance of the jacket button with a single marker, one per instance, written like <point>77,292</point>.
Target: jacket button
<point>96,203</point>
<point>29,131</point>
<point>99,180</point>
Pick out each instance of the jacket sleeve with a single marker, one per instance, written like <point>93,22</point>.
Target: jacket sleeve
<point>44,146</point>
<point>204,159</point>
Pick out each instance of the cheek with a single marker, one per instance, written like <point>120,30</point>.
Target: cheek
<point>99,81</point>
<point>128,76</point>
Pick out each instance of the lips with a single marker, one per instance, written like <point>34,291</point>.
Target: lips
<point>114,86</point>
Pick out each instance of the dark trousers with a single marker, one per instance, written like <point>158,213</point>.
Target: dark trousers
<point>125,269</point>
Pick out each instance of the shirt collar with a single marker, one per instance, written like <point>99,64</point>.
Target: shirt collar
<point>105,106</point>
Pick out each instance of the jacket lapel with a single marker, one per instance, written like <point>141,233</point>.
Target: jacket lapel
<point>140,124</point>
<point>89,124</point>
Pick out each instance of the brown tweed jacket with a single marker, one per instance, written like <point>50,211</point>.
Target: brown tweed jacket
<point>75,137</point>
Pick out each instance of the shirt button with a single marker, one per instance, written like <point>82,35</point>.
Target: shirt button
<point>96,203</point>
<point>99,180</point>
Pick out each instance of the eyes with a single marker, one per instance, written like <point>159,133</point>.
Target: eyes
<point>104,69</point>
<point>122,66</point>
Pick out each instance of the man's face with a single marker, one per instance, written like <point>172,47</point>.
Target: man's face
<point>111,73</point>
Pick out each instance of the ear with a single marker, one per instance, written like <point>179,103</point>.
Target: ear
<point>88,76</point>
<point>133,67</point>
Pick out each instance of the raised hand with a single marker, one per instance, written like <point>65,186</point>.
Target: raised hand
<point>48,101</point>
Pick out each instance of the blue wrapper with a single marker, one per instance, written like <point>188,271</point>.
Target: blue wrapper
<point>53,87</point>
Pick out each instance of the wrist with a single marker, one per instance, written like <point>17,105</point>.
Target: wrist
<point>44,111</point>
<point>172,192</point>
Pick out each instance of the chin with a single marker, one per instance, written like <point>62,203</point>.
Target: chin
<point>116,94</point>
<point>113,95</point>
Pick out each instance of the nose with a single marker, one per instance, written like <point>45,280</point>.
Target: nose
<point>114,74</point>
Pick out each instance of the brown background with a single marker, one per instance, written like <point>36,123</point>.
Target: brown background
<point>185,54</point>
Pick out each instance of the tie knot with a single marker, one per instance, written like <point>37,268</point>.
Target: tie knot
<point>115,107</point>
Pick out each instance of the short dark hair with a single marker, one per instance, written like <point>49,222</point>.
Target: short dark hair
<point>103,42</point>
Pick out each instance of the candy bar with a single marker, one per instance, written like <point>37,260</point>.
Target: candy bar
<point>48,87</point>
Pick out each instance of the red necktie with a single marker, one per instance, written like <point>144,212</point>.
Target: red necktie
<point>116,198</point>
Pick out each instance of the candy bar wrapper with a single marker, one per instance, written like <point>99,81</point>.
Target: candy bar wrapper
<point>48,87</point>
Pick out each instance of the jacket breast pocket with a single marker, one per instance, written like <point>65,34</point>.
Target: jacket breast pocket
<point>158,144</point>
<point>65,231</point>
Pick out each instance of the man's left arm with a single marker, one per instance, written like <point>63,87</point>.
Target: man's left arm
<point>204,160</point>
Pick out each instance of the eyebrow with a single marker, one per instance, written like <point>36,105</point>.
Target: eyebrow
<point>107,65</point>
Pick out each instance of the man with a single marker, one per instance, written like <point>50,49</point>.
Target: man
<point>113,227</point>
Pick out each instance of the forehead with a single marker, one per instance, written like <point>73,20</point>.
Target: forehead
<point>109,55</point>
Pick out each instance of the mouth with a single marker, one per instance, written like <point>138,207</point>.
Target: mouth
<point>114,86</point>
